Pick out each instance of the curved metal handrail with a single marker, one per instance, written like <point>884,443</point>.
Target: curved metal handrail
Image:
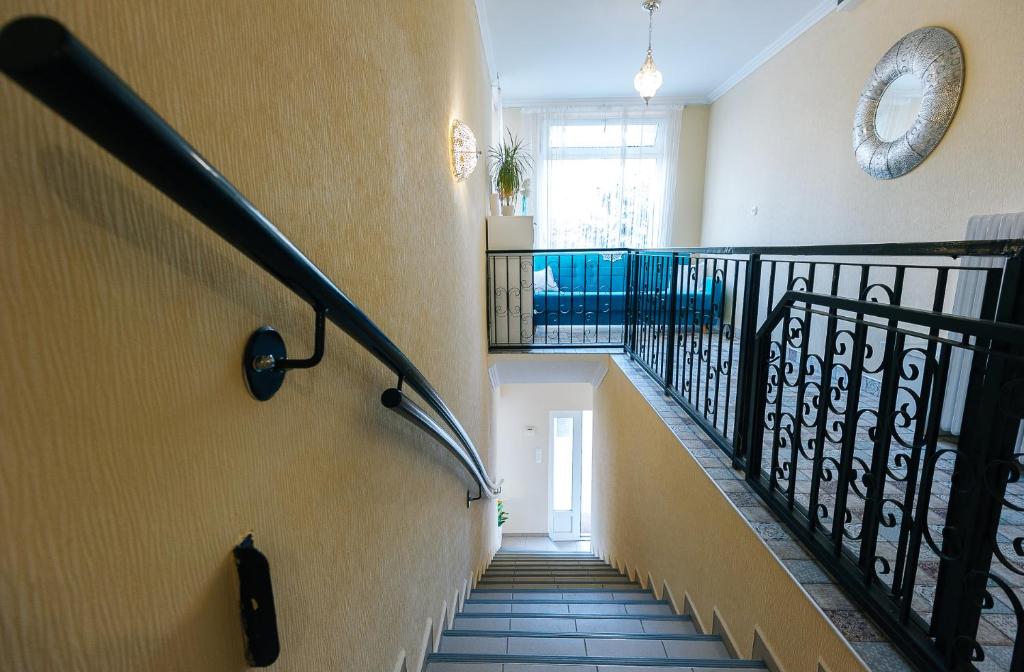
<point>48,61</point>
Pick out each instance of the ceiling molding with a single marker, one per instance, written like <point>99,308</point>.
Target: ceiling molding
<point>823,9</point>
<point>485,37</point>
<point>665,101</point>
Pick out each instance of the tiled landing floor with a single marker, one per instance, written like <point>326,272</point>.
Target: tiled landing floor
<point>529,542</point>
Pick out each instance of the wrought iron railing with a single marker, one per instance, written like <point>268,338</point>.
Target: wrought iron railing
<point>909,519</point>
<point>557,298</point>
<point>823,372</point>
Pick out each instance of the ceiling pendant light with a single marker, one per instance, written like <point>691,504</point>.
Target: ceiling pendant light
<point>648,80</point>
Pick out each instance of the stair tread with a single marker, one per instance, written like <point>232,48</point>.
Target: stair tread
<point>708,663</point>
<point>653,617</point>
<point>588,647</point>
<point>568,608</point>
<point>472,600</point>
<point>582,635</point>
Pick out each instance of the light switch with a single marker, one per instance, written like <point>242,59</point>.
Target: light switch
<point>538,456</point>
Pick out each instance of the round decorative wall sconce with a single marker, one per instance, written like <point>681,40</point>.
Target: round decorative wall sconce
<point>464,151</point>
<point>908,103</point>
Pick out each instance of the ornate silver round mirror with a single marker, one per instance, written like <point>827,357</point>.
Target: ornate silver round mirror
<point>908,103</point>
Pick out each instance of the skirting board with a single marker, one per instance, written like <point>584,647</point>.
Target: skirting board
<point>718,627</point>
<point>433,630</point>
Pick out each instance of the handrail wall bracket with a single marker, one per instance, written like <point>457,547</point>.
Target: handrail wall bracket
<point>265,360</point>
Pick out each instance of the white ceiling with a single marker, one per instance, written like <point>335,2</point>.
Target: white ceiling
<point>564,49</point>
<point>515,369</point>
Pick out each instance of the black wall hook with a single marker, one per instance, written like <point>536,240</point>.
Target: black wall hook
<point>266,359</point>
<point>470,500</point>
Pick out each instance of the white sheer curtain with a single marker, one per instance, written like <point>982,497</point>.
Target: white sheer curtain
<point>603,176</point>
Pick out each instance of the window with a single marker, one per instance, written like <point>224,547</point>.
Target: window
<point>605,181</point>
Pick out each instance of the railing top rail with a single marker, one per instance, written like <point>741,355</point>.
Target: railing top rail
<point>970,326</point>
<point>566,250</point>
<point>44,57</point>
<point>952,249</point>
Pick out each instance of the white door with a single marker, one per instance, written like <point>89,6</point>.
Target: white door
<point>565,475</point>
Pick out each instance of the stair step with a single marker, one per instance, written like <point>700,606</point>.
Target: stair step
<point>533,575</point>
<point>687,664</point>
<point>609,646</point>
<point>596,590</point>
<point>583,635</point>
<point>575,579</point>
<point>547,563</point>
<point>541,581</point>
<point>567,623</point>
<point>547,556</point>
<point>646,617</point>
<point>506,551</point>
<point>567,608</point>
<point>554,570</point>
<point>532,600</point>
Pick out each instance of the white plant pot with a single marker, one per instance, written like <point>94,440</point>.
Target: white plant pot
<point>495,204</point>
<point>507,210</point>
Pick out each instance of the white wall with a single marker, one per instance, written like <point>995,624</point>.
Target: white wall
<point>781,139</point>
<point>525,491</point>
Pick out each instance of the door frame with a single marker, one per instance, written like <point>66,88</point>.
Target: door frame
<point>575,533</point>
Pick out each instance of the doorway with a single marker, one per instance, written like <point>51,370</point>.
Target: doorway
<point>569,474</point>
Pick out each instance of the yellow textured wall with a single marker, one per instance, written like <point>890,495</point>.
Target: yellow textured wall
<point>782,138</point>
<point>657,511</point>
<point>132,458</point>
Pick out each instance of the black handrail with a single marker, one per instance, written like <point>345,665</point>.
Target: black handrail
<point>48,61</point>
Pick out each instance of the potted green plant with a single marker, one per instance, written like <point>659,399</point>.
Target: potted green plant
<point>509,163</point>
<point>502,515</point>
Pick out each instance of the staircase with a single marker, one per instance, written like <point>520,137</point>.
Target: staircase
<point>572,612</point>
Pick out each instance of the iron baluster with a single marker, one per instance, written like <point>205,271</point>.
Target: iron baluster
<point>670,350</point>
<point>892,353</point>
<point>731,359</point>
<point>801,381</point>
<point>824,406</point>
<point>920,426</point>
<point>715,316</point>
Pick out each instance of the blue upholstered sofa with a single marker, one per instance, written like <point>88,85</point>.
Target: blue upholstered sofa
<point>591,287</point>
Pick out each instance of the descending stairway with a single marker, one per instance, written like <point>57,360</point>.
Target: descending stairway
<point>572,612</point>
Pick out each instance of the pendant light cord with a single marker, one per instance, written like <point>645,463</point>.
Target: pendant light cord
<point>650,29</point>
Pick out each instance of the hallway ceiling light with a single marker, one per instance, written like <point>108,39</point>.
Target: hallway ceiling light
<point>464,151</point>
<point>648,80</point>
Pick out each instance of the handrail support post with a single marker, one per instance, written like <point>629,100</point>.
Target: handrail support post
<point>265,360</point>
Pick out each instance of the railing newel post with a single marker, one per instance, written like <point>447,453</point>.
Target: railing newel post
<point>748,332</point>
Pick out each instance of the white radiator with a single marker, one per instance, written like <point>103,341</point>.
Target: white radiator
<point>967,301</point>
